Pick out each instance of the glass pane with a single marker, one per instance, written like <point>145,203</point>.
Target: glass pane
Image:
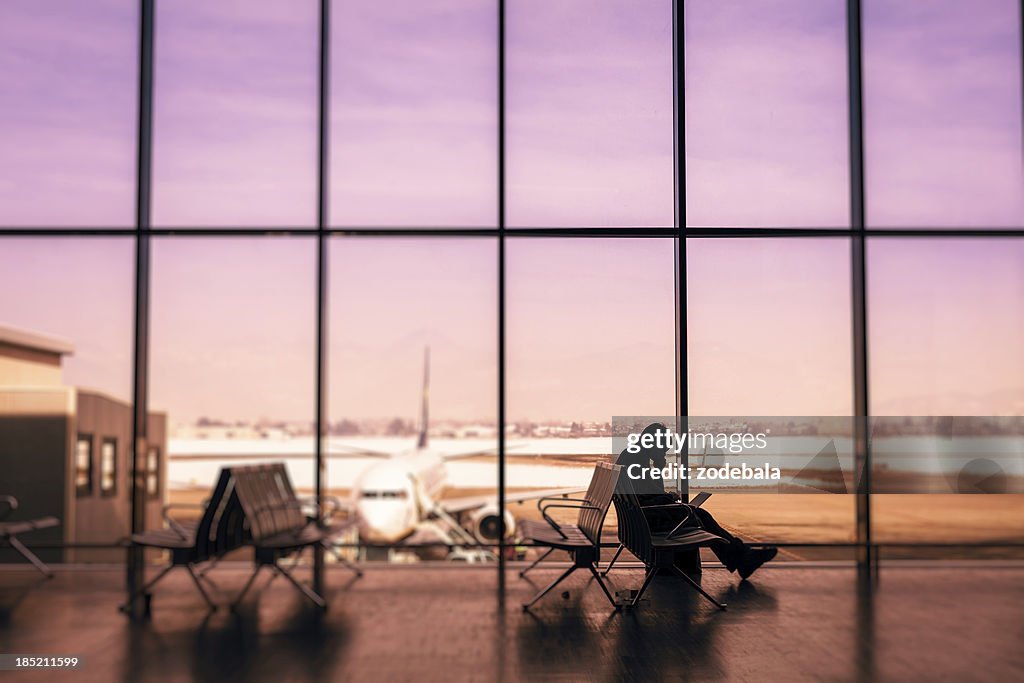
<point>590,337</point>
<point>235,114</point>
<point>108,467</point>
<point>65,389</point>
<point>401,440</point>
<point>589,93</point>
<point>68,89</point>
<point>414,118</point>
<point>769,329</point>
<point>946,320</point>
<point>766,114</point>
<point>942,93</point>
<point>83,465</point>
<point>233,358</point>
<point>768,325</point>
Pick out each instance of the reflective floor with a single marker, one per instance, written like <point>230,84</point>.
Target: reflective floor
<point>446,623</point>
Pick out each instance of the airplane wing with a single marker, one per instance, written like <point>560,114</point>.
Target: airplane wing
<point>338,450</point>
<point>473,502</point>
<point>485,451</point>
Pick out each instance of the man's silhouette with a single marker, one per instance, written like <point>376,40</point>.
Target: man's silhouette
<point>732,552</point>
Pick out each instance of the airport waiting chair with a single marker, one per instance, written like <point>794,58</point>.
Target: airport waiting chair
<point>526,526</point>
<point>219,530</point>
<point>657,551</point>
<point>581,540</point>
<point>278,525</point>
<point>325,517</point>
<point>9,532</point>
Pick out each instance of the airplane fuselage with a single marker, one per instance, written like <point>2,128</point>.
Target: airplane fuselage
<point>392,497</point>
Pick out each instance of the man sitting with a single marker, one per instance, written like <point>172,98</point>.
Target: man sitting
<point>732,552</point>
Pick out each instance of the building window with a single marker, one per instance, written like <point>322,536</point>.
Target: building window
<point>83,465</point>
<point>153,472</point>
<point>108,467</point>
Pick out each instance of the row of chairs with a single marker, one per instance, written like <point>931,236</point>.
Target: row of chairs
<point>582,540</point>
<point>250,506</point>
<point>257,506</point>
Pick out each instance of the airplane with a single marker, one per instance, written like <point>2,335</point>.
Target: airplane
<point>400,496</point>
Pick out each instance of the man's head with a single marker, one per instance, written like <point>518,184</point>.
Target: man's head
<point>657,433</point>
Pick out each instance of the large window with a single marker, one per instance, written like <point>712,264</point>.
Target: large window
<point>377,242</point>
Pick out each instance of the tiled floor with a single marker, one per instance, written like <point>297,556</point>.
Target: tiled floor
<point>447,623</point>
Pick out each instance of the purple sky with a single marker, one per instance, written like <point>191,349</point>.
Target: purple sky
<point>589,113</point>
<point>68,81</point>
<point>235,113</point>
<point>589,136</point>
<point>766,130</point>
<point>414,113</point>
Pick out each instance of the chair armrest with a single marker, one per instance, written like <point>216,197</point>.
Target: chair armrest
<point>576,504</point>
<point>559,498</point>
<point>12,505</point>
<point>682,523</point>
<point>172,523</point>
<point>554,525</point>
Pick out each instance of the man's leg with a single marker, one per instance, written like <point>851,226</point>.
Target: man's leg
<point>727,552</point>
<point>733,553</point>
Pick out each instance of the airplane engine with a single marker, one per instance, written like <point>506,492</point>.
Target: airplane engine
<point>484,524</point>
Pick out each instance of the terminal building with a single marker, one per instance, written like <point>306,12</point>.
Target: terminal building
<point>65,452</point>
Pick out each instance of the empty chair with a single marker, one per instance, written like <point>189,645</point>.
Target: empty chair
<point>581,540</point>
<point>220,529</point>
<point>278,526</point>
<point>9,532</point>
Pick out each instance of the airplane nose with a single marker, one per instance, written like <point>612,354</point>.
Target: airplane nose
<point>382,522</point>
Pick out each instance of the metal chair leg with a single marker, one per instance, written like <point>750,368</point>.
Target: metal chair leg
<point>719,605</point>
<point>604,588</point>
<point>612,563</point>
<point>248,585</point>
<point>305,590</point>
<point>554,583</point>
<point>643,589</point>
<point>145,588</point>
<point>30,556</point>
<point>536,562</point>
<point>343,562</point>
<point>199,584</point>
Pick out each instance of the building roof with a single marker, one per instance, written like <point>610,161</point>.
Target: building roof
<point>35,341</point>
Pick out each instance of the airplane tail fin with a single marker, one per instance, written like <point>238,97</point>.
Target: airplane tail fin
<point>424,415</point>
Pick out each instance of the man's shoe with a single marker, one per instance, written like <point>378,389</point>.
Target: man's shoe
<point>752,560</point>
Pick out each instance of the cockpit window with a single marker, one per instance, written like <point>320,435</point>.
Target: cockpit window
<point>393,495</point>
